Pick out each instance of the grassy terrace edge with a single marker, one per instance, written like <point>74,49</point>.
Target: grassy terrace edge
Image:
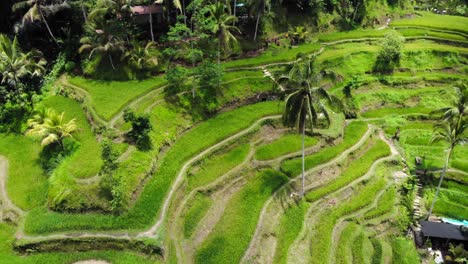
<point>40,220</point>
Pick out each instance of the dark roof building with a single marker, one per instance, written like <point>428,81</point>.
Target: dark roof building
<point>442,230</point>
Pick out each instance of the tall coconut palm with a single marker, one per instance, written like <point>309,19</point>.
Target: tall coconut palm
<point>305,100</point>
<point>53,129</point>
<point>450,128</point>
<point>259,6</point>
<point>35,12</point>
<point>223,27</point>
<point>15,64</point>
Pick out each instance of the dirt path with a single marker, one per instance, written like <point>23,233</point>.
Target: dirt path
<point>6,205</point>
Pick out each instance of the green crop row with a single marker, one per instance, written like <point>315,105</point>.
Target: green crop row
<point>352,133</point>
<point>198,208</point>
<point>453,210</point>
<point>355,170</point>
<point>217,165</point>
<point>455,196</point>
<point>289,228</point>
<point>431,20</point>
<point>384,205</point>
<point>404,252</point>
<point>232,234</point>
<point>321,247</point>
<point>147,207</point>
<point>343,252</point>
<point>109,97</point>
<point>357,248</point>
<point>273,55</point>
<point>284,145</point>
<point>377,257</point>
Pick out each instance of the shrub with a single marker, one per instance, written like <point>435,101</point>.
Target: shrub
<point>390,52</point>
<point>141,126</point>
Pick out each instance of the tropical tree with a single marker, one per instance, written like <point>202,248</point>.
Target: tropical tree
<point>143,57</point>
<point>259,6</point>
<point>35,12</point>
<point>223,27</point>
<point>102,42</point>
<point>305,100</point>
<point>16,65</point>
<point>52,129</point>
<point>450,128</point>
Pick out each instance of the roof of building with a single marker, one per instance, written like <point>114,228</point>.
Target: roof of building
<point>442,230</point>
<point>144,10</point>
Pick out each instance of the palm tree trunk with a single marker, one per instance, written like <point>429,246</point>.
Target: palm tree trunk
<point>111,62</point>
<point>256,25</point>
<point>440,181</point>
<point>83,11</point>
<point>303,161</point>
<point>151,25</point>
<point>46,24</point>
<point>234,14</point>
<point>219,51</point>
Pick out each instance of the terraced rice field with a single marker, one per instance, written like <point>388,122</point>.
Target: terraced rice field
<point>226,190</point>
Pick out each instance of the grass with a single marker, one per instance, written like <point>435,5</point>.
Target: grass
<point>216,166</point>
<point>290,226</point>
<point>7,255</point>
<point>431,20</point>
<point>27,183</point>
<point>363,196</point>
<point>109,97</point>
<point>451,209</point>
<point>85,161</point>
<point>377,257</point>
<point>455,196</point>
<point>195,213</point>
<point>352,133</point>
<point>231,236</point>
<point>358,247</point>
<point>273,55</point>
<point>404,252</point>
<point>356,169</point>
<point>244,88</point>
<point>138,217</point>
<point>385,204</point>
<point>343,252</point>
<point>282,146</point>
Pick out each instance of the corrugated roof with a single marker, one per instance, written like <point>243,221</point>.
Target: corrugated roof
<point>442,230</point>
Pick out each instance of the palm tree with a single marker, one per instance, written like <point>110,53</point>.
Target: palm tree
<point>143,57</point>
<point>52,129</point>
<point>259,6</point>
<point>305,99</point>
<point>223,27</point>
<point>451,128</point>
<point>102,42</point>
<point>35,13</point>
<point>15,65</point>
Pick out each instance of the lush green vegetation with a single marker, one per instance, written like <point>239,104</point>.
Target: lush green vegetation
<point>103,117</point>
<point>404,251</point>
<point>230,237</point>
<point>206,134</point>
<point>352,133</point>
<point>430,20</point>
<point>216,166</point>
<point>27,182</point>
<point>284,145</point>
<point>195,213</point>
<point>122,92</point>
